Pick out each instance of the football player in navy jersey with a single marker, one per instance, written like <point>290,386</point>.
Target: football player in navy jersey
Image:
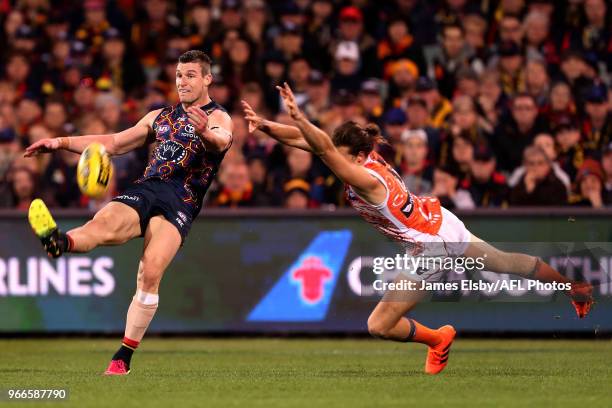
<point>191,140</point>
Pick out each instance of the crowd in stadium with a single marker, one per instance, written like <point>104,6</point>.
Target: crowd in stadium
<point>482,103</point>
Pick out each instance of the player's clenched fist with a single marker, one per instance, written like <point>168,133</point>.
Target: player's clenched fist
<point>43,146</point>
<point>198,118</point>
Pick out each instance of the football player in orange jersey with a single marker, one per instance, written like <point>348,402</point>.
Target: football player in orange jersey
<point>375,190</point>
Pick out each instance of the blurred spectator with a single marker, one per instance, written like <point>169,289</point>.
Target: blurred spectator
<point>516,132</point>
<point>512,69</point>
<point>416,171</point>
<point>589,185</point>
<point>299,166</point>
<point>418,118</point>
<point>475,27</point>
<point>539,186</point>
<point>347,61</point>
<point>491,100</point>
<point>296,194</point>
<point>395,121</point>
<point>538,41</point>
<point>404,74</point>
<point>371,100</point>
<point>259,178</point>
<point>464,124</point>
<point>399,44</point>
<point>118,67</point>
<point>451,196</point>
<point>597,126</point>
<point>445,60</point>
<point>318,93</point>
<point>23,187</point>
<point>571,153</point>
<point>236,189</point>
<point>55,117</point>
<point>607,170</point>
<point>537,82</point>
<point>561,102</point>
<point>487,187</point>
<point>545,142</point>
<point>151,33</point>
<point>439,107</point>
<point>351,29</point>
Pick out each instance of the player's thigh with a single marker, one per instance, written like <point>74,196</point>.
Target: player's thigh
<point>120,219</point>
<point>161,243</point>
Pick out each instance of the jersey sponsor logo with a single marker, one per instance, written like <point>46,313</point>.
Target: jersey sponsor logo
<point>189,128</point>
<point>171,151</point>
<point>182,118</point>
<point>182,215</point>
<point>127,197</point>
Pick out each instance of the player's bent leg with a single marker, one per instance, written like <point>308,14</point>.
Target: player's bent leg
<point>530,267</point>
<point>115,224</point>
<point>162,241</point>
<point>387,321</point>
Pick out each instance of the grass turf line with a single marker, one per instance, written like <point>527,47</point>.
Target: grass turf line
<point>312,373</point>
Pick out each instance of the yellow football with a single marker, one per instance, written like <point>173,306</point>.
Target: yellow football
<point>94,170</point>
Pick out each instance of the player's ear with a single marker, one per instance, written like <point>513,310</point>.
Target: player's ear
<point>208,79</point>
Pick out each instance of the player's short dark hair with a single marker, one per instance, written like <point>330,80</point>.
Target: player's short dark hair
<point>199,57</point>
<point>356,137</point>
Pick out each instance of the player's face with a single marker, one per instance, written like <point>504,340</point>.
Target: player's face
<point>191,85</point>
<point>359,159</point>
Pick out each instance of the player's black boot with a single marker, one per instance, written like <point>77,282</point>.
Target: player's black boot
<point>55,243</point>
<point>53,240</point>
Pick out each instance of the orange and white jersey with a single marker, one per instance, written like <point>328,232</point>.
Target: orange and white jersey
<point>403,216</point>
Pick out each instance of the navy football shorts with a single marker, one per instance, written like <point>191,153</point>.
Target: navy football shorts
<point>155,197</point>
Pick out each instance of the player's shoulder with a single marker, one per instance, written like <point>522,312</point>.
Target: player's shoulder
<point>150,117</point>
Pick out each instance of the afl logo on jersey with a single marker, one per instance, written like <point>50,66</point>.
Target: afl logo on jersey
<point>163,129</point>
<point>171,151</point>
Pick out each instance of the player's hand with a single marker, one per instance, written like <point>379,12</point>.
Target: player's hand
<point>255,121</point>
<point>198,118</point>
<point>42,146</point>
<point>290,102</point>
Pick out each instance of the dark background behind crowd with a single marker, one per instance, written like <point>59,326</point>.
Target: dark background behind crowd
<point>482,103</point>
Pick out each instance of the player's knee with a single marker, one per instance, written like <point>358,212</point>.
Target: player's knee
<point>150,275</point>
<point>377,328</point>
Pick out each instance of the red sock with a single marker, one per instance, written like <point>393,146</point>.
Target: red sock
<point>546,273</point>
<point>423,334</point>
<point>70,243</point>
<point>129,343</point>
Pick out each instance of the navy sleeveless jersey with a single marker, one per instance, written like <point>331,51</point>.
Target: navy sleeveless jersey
<point>180,157</point>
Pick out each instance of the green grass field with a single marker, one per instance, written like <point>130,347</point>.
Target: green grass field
<point>313,373</point>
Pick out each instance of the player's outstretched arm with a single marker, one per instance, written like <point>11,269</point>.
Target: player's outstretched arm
<point>289,135</point>
<point>115,143</point>
<point>322,145</point>
<point>214,130</point>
